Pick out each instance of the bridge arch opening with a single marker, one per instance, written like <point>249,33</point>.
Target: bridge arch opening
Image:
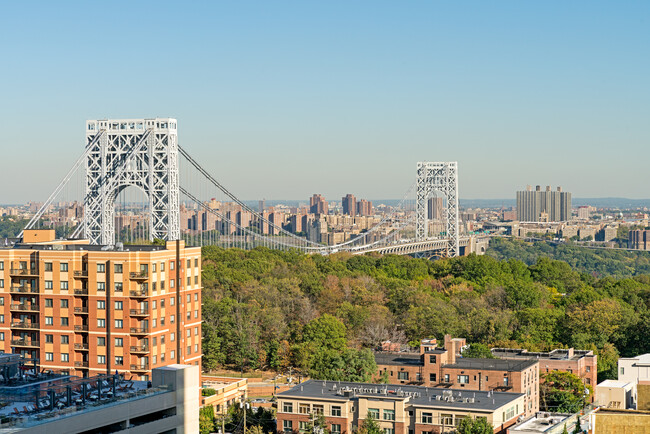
<point>130,207</point>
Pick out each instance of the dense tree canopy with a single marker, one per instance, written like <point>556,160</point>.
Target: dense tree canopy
<point>273,309</point>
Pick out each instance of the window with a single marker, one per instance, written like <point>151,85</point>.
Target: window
<point>287,426</point>
<point>196,262</point>
<point>171,319</point>
<point>49,320</point>
<point>101,304</point>
<point>402,375</point>
<point>588,380</point>
<point>335,410</point>
<point>287,407</point>
<point>119,360</point>
<point>196,348</point>
<point>373,413</point>
<point>196,313</point>
<point>2,336</point>
<point>432,377</point>
<point>196,331</point>
<point>101,360</point>
<point>101,323</point>
<point>63,267</point>
<point>154,304</point>
<point>162,340</point>
<point>101,286</point>
<point>49,357</point>
<point>162,285</point>
<point>303,408</point>
<point>154,323</point>
<point>188,332</point>
<point>336,428</point>
<point>196,280</point>
<point>65,357</point>
<point>48,284</point>
<point>154,359</point>
<point>65,339</point>
<point>118,287</point>
<point>432,359</point>
<point>49,302</point>
<point>171,283</point>
<point>171,301</point>
<point>2,318</point>
<point>189,282</point>
<point>171,337</point>
<point>49,339</point>
<point>162,358</point>
<point>101,268</point>
<point>446,419</point>
<point>117,268</point>
<point>189,298</point>
<point>196,296</point>
<point>427,417</point>
<point>622,370</point>
<point>505,380</point>
<point>119,324</point>
<point>153,267</point>
<point>171,265</point>
<point>64,321</point>
<point>389,414</point>
<point>189,263</point>
<point>172,354</point>
<point>64,303</point>
<point>101,342</point>
<point>189,350</point>
<point>153,285</point>
<point>463,379</point>
<point>389,431</point>
<point>446,378</point>
<point>162,321</point>
<point>64,285</point>
<point>189,315</point>
<point>48,266</point>
<point>162,304</point>
<point>303,427</point>
<point>119,305</point>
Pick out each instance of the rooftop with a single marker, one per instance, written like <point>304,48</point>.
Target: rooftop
<point>413,395</point>
<point>641,360</point>
<point>90,247</point>
<point>398,359</point>
<point>492,364</point>
<point>613,383</point>
<point>557,354</point>
<point>542,422</point>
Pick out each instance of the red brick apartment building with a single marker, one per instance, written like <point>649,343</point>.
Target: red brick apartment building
<point>397,409</point>
<point>87,309</point>
<point>443,367</point>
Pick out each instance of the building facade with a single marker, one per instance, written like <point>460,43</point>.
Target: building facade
<point>87,309</point>
<point>538,205</point>
<point>442,367</point>
<point>398,410</point>
<point>349,203</point>
<point>639,240</point>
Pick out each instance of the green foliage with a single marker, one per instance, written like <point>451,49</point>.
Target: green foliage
<point>370,426</point>
<point>563,392</point>
<point>578,428</point>
<point>208,392</point>
<point>479,425</point>
<point>348,365</point>
<point>478,351</point>
<point>10,226</point>
<point>206,420</point>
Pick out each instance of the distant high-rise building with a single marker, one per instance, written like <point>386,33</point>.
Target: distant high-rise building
<point>261,205</point>
<point>583,213</point>
<point>639,239</point>
<point>364,208</point>
<point>435,209</point>
<point>349,203</point>
<point>538,205</point>
<point>317,204</point>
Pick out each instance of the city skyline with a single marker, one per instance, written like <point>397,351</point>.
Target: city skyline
<point>339,98</point>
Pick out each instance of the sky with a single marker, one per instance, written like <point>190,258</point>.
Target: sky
<point>283,99</point>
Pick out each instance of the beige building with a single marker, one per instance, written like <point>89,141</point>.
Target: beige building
<point>616,394</point>
<point>87,309</point>
<point>397,409</point>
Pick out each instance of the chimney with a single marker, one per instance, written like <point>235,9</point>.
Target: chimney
<point>451,350</point>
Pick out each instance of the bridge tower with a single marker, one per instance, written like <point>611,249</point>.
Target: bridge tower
<point>123,153</point>
<point>443,178</point>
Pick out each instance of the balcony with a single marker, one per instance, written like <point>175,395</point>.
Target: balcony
<point>140,367</point>
<point>80,291</point>
<point>81,328</point>
<point>24,307</point>
<point>25,343</point>
<point>140,349</point>
<point>139,293</point>
<point>22,289</point>
<point>81,347</point>
<point>139,312</point>
<point>81,364</point>
<point>139,330</point>
<point>81,274</point>
<point>23,272</point>
<point>140,275</point>
<point>81,310</point>
<point>25,325</point>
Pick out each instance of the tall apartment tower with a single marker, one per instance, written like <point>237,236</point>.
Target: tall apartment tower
<point>349,203</point>
<point>435,211</point>
<point>87,309</point>
<point>364,208</point>
<point>537,205</point>
<point>317,204</point>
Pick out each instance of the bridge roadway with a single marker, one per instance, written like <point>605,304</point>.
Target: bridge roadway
<point>429,248</point>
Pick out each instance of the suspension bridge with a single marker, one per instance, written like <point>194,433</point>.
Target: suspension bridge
<point>133,181</point>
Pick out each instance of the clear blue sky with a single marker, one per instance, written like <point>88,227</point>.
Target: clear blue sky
<point>284,99</point>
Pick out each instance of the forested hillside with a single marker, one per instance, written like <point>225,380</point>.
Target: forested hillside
<point>597,262</point>
<point>272,309</point>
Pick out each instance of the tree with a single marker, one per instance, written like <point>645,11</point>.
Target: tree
<point>206,419</point>
<point>370,426</point>
<point>563,392</point>
<point>477,351</point>
<point>326,332</point>
<point>479,425</point>
<point>578,428</point>
<point>564,430</point>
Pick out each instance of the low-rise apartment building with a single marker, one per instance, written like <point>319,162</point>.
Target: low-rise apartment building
<point>397,409</point>
<point>443,367</point>
<point>88,309</point>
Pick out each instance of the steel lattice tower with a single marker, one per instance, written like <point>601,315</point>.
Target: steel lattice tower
<point>443,178</point>
<point>140,153</point>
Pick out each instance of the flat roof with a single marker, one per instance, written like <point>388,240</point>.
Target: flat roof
<point>542,422</point>
<point>90,247</point>
<point>557,354</point>
<point>613,383</point>
<point>419,396</point>
<point>398,359</point>
<point>492,364</point>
